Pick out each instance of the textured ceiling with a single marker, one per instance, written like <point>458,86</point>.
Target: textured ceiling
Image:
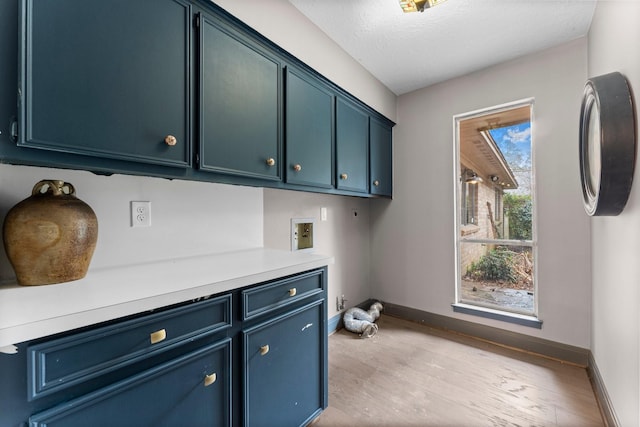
<point>408,51</point>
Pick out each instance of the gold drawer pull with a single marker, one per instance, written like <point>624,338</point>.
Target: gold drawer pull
<point>170,140</point>
<point>210,379</point>
<point>271,161</point>
<point>158,336</point>
<point>297,168</point>
<point>264,350</point>
<point>344,176</point>
<point>292,292</point>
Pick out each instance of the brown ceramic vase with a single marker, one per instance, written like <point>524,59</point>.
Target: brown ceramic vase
<point>50,236</point>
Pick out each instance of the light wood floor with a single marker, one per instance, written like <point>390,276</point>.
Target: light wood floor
<point>412,375</point>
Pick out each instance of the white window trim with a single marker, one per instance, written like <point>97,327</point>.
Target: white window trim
<point>533,319</point>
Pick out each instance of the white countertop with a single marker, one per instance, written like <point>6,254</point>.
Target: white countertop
<point>29,312</point>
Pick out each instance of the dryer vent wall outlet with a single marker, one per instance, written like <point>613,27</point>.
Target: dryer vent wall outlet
<point>302,234</point>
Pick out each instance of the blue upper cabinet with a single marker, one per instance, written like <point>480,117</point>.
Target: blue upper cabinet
<point>309,130</point>
<point>381,152</point>
<point>107,79</point>
<point>181,89</point>
<point>240,107</point>
<point>352,146</point>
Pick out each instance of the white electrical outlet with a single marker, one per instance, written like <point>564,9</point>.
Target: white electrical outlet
<point>323,214</point>
<point>141,214</point>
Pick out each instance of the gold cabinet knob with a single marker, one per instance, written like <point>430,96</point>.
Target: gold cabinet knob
<point>297,168</point>
<point>158,336</point>
<point>344,176</point>
<point>210,379</point>
<point>292,292</point>
<point>376,182</point>
<point>170,140</point>
<point>271,161</point>
<point>264,350</point>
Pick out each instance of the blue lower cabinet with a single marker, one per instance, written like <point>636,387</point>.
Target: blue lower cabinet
<point>255,356</point>
<point>285,369</point>
<point>192,390</point>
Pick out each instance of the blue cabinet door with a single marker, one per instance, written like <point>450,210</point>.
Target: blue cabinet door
<point>107,79</point>
<point>381,159</point>
<point>309,131</point>
<point>193,390</point>
<point>285,370</point>
<point>352,146</point>
<point>240,104</point>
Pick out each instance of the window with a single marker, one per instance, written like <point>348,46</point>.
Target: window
<point>495,244</point>
<point>497,203</point>
<point>469,204</point>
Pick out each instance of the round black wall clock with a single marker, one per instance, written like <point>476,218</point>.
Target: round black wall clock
<point>607,144</point>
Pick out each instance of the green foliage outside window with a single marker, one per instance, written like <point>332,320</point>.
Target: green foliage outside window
<point>519,210</point>
<point>496,265</point>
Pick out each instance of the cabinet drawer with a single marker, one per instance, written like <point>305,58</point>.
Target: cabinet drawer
<point>271,296</point>
<point>193,389</point>
<point>60,363</point>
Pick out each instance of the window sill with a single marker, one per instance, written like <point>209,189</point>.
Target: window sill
<point>467,229</point>
<point>518,319</point>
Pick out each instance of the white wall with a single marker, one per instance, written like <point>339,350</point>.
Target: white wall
<point>343,235</point>
<point>188,218</point>
<point>413,236</point>
<point>615,338</point>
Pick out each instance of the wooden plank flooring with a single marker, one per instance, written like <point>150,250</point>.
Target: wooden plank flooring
<point>412,375</point>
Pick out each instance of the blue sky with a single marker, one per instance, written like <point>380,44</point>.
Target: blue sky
<point>515,144</point>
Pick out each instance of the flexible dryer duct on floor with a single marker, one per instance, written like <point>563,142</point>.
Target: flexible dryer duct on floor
<point>362,322</point>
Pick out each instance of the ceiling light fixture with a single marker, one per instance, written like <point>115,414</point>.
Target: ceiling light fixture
<point>418,5</point>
